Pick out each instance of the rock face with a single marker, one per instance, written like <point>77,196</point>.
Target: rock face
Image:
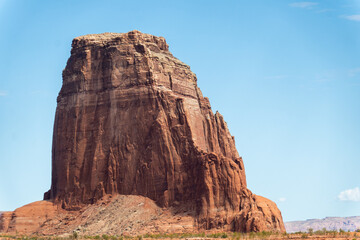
<point>131,120</point>
<point>28,218</point>
<point>5,218</point>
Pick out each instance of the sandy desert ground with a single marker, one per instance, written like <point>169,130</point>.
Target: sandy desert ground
<point>333,235</point>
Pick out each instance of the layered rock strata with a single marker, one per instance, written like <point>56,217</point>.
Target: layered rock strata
<point>28,219</point>
<point>131,120</point>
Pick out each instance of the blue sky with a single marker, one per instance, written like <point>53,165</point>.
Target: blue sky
<point>284,74</point>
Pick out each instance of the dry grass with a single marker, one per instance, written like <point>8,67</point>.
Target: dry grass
<point>317,235</point>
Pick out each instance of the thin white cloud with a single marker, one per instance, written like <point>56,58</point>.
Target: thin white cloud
<point>303,4</point>
<point>282,199</point>
<point>3,93</point>
<point>350,195</point>
<point>353,17</point>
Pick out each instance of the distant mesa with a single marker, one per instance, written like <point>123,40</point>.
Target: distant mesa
<point>329,223</point>
<point>134,134</point>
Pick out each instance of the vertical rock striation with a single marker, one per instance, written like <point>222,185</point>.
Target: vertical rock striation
<point>131,120</point>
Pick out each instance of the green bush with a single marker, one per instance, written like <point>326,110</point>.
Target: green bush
<point>105,237</point>
<point>75,235</point>
<point>304,235</point>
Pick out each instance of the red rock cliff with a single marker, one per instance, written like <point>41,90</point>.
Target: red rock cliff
<point>130,119</point>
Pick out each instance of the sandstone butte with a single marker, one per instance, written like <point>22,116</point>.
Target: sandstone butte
<point>136,147</point>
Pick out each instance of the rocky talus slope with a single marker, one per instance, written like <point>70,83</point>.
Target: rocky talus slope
<point>131,120</point>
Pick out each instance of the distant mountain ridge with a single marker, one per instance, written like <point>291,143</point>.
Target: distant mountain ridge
<point>330,223</point>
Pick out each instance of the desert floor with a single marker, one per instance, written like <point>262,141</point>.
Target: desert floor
<point>202,236</point>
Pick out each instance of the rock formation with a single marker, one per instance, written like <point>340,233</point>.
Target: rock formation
<point>131,120</point>
<point>329,223</point>
<point>29,218</point>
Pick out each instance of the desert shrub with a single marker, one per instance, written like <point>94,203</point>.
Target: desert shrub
<point>217,235</point>
<point>310,231</point>
<point>213,235</point>
<point>304,235</point>
<point>264,234</point>
<point>8,236</point>
<point>105,237</point>
<point>238,235</point>
<point>252,235</point>
<point>235,236</point>
<point>27,238</point>
<point>174,235</point>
